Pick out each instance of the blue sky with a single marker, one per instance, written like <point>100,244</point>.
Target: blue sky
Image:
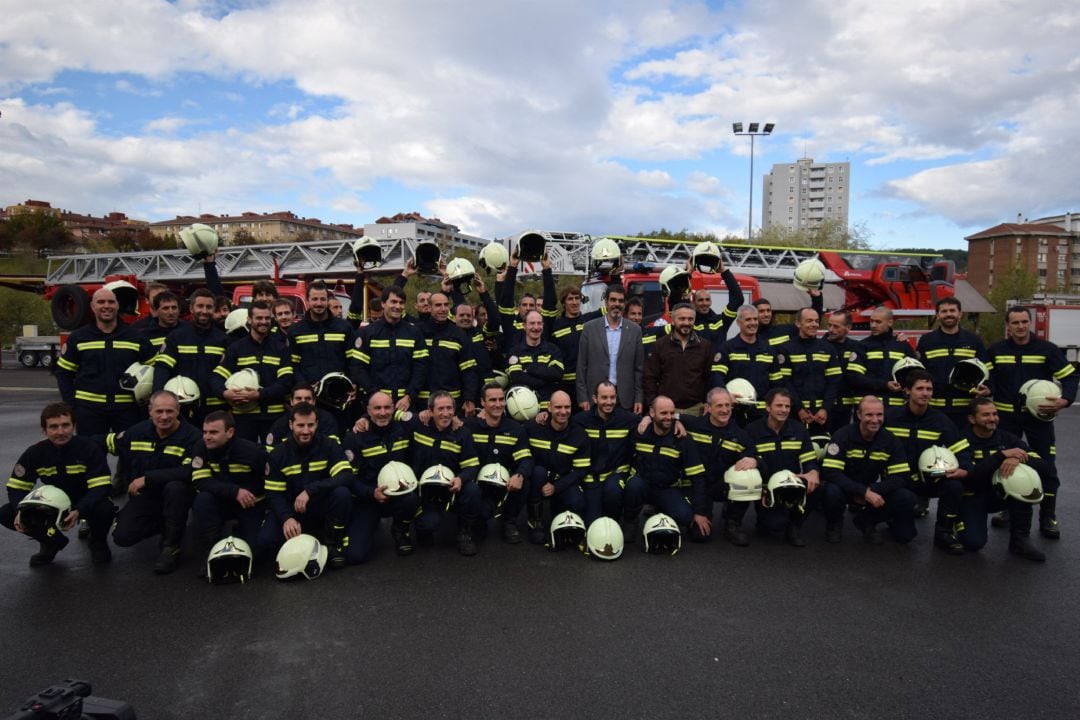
<point>597,117</point>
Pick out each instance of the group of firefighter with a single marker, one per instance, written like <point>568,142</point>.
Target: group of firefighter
<point>293,437</point>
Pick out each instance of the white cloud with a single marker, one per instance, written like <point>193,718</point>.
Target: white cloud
<point>165,125</point>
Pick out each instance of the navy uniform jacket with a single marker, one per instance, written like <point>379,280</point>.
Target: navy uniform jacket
<point>505,444</point>
<point>316,468</point>
<point>539,367</point>
<point>718,447</point>
<point>78,468</point>
<point>194,353</point>
<point>451,365</point>
<point>665,461</point>
<point>270,359</point>
<point>714,326</point>
<point>939,352</point>
<point>854,463</point>
<point>988,458</point>
<point>871,371</point>
<point>150,456</point>
<point>564,454</point>
<point>370,451</point>
<point>449,447</point>
<point>918,432</point>
<point>1012,365</point>
<point>224,471</point>
<point>809,370</point>
<point>320,347</point>
<point>392,358</point>
<point>753,362</point>
<point>788,449</point>
<point>90,367</point>
<point>611,441</point>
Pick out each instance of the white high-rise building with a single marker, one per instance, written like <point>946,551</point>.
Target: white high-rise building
<point>802,194</point>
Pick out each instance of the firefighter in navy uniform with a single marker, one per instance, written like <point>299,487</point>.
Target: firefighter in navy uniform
<point>279,432</point>
<point>320,343</point>
<point>483,336</point>
<point>157,454</point>
<point>88,371</point>
<point>871,373</point>
<point>808,367</point>
<point>1018,358</point>
<point>165,321</point>
<point>391,355</point>
<point>193,351</point>
<point>560,451</point>
<point>255,410</point>
<point>846,349</point>
<point>661,462</point>
<point>610,429</point>
<point>997,451</point>
<point>869,465</point>
<point>722,444</point>
<point>919,427</point>
<point>307,487</point>
<point>778,334</point>
<point>77,466</point>
<point>511,315</point>
<point>708,259</point>
<point>382,439</point>
<point>940,350</point>
<point>502,440</point>
<point>441,443</point>
<point>782,443</point>
<point>451,365</point>
<point>534,362</point>
<point>228,474</point>
<point>749,356</point>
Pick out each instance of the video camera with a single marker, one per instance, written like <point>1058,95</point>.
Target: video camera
<point>71,700</point>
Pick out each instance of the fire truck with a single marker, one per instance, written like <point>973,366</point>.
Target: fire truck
<point>1057,319</point>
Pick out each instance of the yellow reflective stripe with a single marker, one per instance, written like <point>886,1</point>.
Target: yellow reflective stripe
<point>16,484</point>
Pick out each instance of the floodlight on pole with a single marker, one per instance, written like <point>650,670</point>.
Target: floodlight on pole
<point>753,131</point>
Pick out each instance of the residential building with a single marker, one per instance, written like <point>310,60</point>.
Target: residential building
<point>1045,248</point>
<point>258,228</point>
<point>803,194</point>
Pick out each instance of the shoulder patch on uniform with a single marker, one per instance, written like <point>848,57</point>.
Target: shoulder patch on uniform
<point>359,342</point>
<point>513,360</point>
<point>197,462</point>
<point>406,416</point>
<point>120,435</point>
<point>780,358</point>
<point>833,449</point>
<point>716,357</point>
<point>269,438</point>
<point>19,470</point>
<point>852,355</point>
<point>266,470</point>
<point>349,454</point>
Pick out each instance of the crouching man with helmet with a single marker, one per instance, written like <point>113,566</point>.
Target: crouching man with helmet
<point>78,481</point>
<point>307,486</point>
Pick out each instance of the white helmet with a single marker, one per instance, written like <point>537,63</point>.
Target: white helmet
<point>522,403</point>
<point>903,366</point>
<point>501,378</point>
<point>42,511</point>
<point>493,480</point>
<point>785,488</point>
<point>743,485</point>
<point>236,320</point>
<point>246,379</point>
<point>604,539</point>
<point>936,462</point>
<point>230,561</point>
<point>707,257</point>
<point>138,379</point>
<point>1034,393</point>
<point>821,443</point>
<point>606,256</point>
<point>397,478</point>
<point>967,375</point>
<point>674,282</point>
<point>127,296</point>
<point>184,388</point>
<point>426,256</point>
<point>301,555</point>
<point>809,275</point>
<point>494,257</point>
<point>200,240</point>
<point>742,391</point>
<point>435,485</point>
<point>661,535</point>
<point>1024,484</point>
<point>461,273</point>
<point>335,390</point>
<point>367,252</point>
<point>567,530</point>
<point>531,246</point>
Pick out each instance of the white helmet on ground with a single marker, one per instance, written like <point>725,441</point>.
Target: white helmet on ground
<point>301,555</point>
<point>605,539</point>
<point>494,257</point>
<point>742,391</point>
<point>1034,393</point>
<point>785,488</point>
<point>138,380</point>
<point>809,275</point>
<point>200,240</point>
<point>661,535</point>
<point>707,257</point>
<point>743,485</point>
<point>185,389</point>
<point>567,530</point>
<point>230,561</point>
<point>397,478</point>
<point>935,462</point>
<point>522,403</point>
<point>1024,484</point>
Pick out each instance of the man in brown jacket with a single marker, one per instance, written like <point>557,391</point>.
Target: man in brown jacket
<point>680,364</point>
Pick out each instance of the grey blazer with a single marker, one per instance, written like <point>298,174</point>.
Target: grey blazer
<point>592,361</point>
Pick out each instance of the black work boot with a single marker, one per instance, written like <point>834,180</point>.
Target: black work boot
<point>335,546</point>
<point>1020,544</point>
<point>169,556</point>
<point>206,544</point>
<point>834,531</point>
<point>403,544</point>
<point>734,533</point>
<point>537,532</point>
<point>1048,524</point>
<point>922,507</point>
<point>48,548</point>
<point>630,529</point>
<point>1000,520</point>
<point>793,535</point>
<point>465,543</point>
<point>84,528</point>
<point>510,532</point>
<point>945,538</point>
<point>99,550</point>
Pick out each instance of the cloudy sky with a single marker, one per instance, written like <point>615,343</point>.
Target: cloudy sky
<point>499,115</point>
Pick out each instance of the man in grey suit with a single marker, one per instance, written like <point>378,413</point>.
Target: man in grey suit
<point>610,349</point>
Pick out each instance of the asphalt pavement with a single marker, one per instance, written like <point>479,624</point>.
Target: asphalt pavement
<point>769,631</point>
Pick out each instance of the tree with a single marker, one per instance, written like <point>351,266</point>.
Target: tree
<point>1016,284</point>
<point>831,234</point>
<point>34,230</point>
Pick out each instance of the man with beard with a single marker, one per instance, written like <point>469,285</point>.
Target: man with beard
<point>499,439</point>
<point>609,428</point>
<point>940,350</point>
<point>749,356</point>
<point>610,349</point>
<point>680,364</point>
<point>845,348</point>
<point>193,351</point>
<point>534,362</point>
<point>391,355</point>
<point>451,365</point>
<point>808,368</point>
<point>560,453</point>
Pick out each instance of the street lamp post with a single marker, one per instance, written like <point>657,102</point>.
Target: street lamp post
<point>752,131</point>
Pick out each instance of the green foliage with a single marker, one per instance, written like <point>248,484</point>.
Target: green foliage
<point>830,234</point>
<point>34,230</point>
<point>1017,284</point>
<point>18,308</point>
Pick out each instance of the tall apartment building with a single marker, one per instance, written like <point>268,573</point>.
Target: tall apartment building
<point>1047,247</point>
<point>803,194</point>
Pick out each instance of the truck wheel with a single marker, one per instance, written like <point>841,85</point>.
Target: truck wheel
<point>28,358</point>
<point>70,306</point>
<point>46,359</point>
